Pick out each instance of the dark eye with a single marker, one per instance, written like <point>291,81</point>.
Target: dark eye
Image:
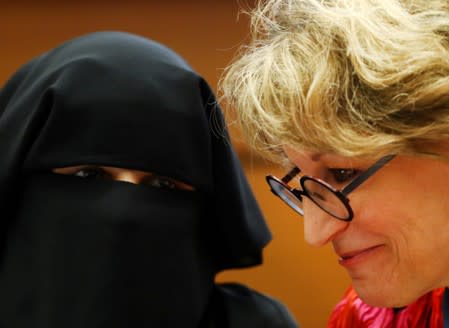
<point>91,172</point>
<point>341,175</point>
<point>156,181</point>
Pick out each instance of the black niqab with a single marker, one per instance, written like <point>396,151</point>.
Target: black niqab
<point>88,253</point>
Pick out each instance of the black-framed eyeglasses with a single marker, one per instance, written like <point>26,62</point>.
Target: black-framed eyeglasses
<point>333,201</point>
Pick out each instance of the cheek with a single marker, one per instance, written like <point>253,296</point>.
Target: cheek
<point>386,218</point>
<point>413,204</point>
<point>406,209</point>
<point>405,221</point>
<point>415,228</point>
<point>378,213</point>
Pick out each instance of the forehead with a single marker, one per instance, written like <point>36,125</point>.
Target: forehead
<point>305,157</point>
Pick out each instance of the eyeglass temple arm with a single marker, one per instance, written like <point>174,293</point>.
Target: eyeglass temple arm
<point>365,175</point>
<point>290,175</point>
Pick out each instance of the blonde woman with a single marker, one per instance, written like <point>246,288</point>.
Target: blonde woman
<point>353,96</point>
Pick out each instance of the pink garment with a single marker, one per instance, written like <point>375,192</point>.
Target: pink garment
<point>352,312</point>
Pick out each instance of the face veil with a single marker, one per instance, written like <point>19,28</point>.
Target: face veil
<point>88,253</point>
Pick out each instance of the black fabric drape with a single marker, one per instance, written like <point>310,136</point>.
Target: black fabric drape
<point>87,253</point>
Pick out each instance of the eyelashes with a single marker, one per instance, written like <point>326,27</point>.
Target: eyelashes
<point>90,172</point>
<point>343,175</point>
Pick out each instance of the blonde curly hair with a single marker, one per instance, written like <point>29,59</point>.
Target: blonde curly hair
<point>351,77</point>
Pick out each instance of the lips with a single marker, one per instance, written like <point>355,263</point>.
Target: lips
<point>351,257</point>
<point>348,255</point>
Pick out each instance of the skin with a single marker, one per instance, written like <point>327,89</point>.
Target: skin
<point>124,175</point>
<point>397,247</point>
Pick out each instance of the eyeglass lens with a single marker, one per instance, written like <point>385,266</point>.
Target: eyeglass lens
<point>325,198</point>
<point>320,194</point>
<point>287,196</point>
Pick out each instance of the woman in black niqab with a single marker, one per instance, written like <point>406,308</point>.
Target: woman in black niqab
<point>78,251</point>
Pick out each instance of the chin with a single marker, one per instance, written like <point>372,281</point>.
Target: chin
<point>380,301</point>
<point>379,297</point>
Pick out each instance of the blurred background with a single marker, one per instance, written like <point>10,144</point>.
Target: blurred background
<point>207,33</point>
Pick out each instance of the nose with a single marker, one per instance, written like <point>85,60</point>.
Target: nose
<point>129,176</point>
<point>319,226</point>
